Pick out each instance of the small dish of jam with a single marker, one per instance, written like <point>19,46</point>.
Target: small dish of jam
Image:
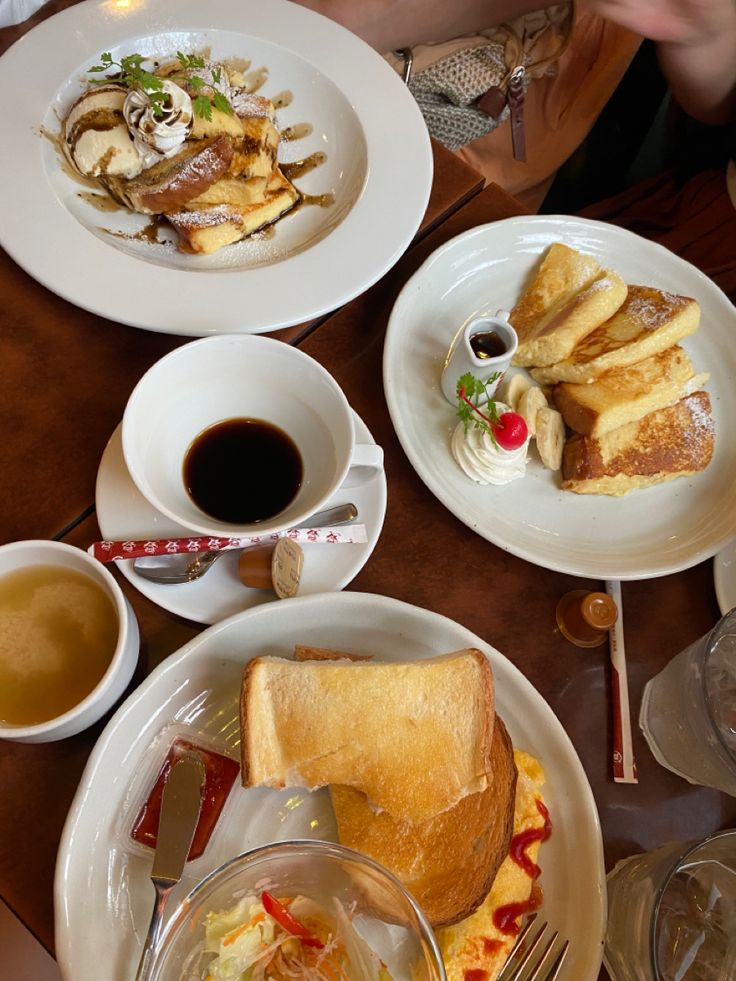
<point>220,774</point>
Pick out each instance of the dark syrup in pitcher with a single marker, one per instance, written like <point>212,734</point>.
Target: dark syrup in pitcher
<point>487,344</point>
<point>243,471</point>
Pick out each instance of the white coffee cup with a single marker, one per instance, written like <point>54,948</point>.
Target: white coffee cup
<point>25,554</point>
<point>240,376</point>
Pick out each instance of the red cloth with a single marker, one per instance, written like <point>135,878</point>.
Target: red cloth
<point>696,220</point>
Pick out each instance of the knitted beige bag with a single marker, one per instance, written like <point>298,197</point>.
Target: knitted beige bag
<point>468,92</point>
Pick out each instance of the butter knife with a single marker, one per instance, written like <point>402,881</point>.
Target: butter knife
<point>181,803</point>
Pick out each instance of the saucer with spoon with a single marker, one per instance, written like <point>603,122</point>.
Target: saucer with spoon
<point>123,512</point>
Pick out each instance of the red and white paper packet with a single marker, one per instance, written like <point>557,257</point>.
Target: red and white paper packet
<point>108,551</point>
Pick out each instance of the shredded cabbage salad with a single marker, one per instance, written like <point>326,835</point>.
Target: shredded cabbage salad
<point>263,937</point>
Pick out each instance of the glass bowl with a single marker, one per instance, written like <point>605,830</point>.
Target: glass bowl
<point>381,909</point>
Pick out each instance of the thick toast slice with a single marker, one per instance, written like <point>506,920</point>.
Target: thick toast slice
<point>449,861</point>
<point>569,296</point>
<point>676,441</point>
<point>649,321</point>
<point>624,395</point>
<point>415,737</point>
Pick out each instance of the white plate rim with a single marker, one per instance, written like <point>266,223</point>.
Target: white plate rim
<point>724,579</point>
<point>341,266</point>
<point>352,601</point>
<point>179,602</point>
<point>613,568</point>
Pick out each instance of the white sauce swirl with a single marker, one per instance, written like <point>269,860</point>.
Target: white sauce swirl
<point>483,462</point>
<point>158,137</point>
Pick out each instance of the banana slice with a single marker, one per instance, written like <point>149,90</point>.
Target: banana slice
<point>530,403</point>
<point>513,387</point>
<point>550,437</point>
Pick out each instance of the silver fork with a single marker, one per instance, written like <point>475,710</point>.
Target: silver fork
<point>544,967</point>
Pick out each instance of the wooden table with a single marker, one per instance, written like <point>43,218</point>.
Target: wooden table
<point>66,377</point>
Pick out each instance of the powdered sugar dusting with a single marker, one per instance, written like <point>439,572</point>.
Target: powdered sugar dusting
<point>604,283</point>
<point>703,425</point>
<point>652,307</point>
<point>218,214</point>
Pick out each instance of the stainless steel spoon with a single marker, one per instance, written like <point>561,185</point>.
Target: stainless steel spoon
<point>172,570</point>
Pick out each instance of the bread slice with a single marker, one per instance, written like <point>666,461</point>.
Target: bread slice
<point>649,321</point>
<point>570,295</point>
<point>624,395</point>
<point>208,228</point>
<point>448,862</point>
<point>415,737</point>
<point>476,948</point>
<point>169,184</point>
<point>676,441</point>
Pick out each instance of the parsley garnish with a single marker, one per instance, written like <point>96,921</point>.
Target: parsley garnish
<point>131,73</point>
<point>469,391</point>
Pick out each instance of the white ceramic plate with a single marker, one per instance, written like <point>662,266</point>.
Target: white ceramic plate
<point>123,513</point>
<point>359,114</point>
<point>103,896</point>
<point>724,576</point>
<point>647,533</point>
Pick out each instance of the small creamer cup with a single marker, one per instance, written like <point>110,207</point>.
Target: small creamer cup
<point>241,376</point>
<point>27,554</point>
<point>463,359</point>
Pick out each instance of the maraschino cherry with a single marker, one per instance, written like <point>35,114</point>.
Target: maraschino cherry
<point>510,431</point>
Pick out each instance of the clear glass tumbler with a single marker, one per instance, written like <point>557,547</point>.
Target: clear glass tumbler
<point>672,913</point>
<point>688,710</point>
<point>381,909</point>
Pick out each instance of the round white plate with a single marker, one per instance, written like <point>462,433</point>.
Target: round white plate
<point>103,896</point>
<point>123,513</point>
<point>360,115</point>
<point>724,576</point>
<point>648,533</point>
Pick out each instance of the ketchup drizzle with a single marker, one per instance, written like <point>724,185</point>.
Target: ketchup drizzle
<point>522,841</point>
<point>505,918</point>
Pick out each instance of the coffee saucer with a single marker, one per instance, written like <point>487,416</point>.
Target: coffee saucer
<point>123,513</point>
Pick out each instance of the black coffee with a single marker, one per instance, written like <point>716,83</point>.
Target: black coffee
<point>243,470</point>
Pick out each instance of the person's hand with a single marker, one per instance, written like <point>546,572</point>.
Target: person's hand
<point>678,21</point>
<point>696,43</point>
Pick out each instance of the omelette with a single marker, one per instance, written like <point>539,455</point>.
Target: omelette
<point>476,949</point>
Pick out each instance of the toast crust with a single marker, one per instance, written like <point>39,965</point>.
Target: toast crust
<point>674,441</point>
<point>447,862</point>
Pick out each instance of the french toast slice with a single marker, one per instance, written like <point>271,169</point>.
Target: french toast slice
<point>169,184</point>
<point>676,441</point>
<point>569,296</point>
<point>238,191</point>
<point>624,395</point>
<point>649,321</point>
<point>219,124</point>
<point>255,155</point>
<point>208,228</point>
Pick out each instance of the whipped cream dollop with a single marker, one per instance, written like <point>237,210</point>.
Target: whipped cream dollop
<point>483,462</point>
<point>157,137</point>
